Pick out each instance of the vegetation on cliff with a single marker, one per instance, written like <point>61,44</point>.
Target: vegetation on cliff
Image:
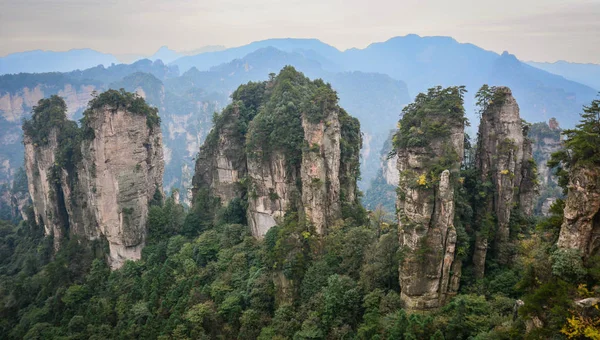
<point>202,275</point>
<point>265,121</point>
<point>581,145</point>
<point>122,100</point>
<point>417,127</point>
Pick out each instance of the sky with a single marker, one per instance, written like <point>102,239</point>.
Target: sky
<point>537,30</point>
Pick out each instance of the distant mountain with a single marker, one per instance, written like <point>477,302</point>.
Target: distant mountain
<point>588,74</point>
<point>541,95</point>
<point>373,84</point>
<point>166,55</point>
<point>203,49</point>
<point>424,62</point>
<point>47,61</point>
<point>205,61</point>
<point>117,72</point>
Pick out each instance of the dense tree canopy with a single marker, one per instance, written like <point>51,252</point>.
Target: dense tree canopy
<point>203,276</point>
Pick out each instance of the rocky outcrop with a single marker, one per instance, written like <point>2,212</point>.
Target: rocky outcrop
<point>321,170</point>
<point>13,204</point>
<point>382,191</point>
<point>304,159</point>
<point>546,140</point>
<point>97,181</point>
<point>221,162</point>
<point>273,192</point>
<point>14,106</point>
<point>429,161</point>
<point>390,171</point>
<point>581,225</point>
<point>43,189</point>
<point>504,159</point>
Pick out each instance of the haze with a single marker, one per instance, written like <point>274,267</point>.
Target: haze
<point>547,30</point>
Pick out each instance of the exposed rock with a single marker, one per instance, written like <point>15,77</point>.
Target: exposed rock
<point>105,192</point>
<point>504,158</point>
<point>313,172</point>
<point>121,170</point>
<point>546,140</point>
<point>382,190</point>
<point>221,162</point>
<point>390,171</point>
<point>273,192</point>
<point>39,161</point>
<point>321,171</point>
<point>429,273</point>
<point>587,303</point>
<point>13,205</point>
<point>532,324</point>
<point>581,225</point>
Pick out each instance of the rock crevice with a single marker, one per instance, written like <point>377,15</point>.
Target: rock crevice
<point>504,159</point>
<point>103,186</point>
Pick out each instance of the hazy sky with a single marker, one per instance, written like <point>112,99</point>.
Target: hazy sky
<point>541,30</point>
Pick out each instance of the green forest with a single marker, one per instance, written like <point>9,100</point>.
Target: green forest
<point>203,275</point>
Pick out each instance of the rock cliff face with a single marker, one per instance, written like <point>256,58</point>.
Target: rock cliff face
<point>546,140</point>
<point>221,162</point>
<point>97,181</point>
<point>504,159</point>
<point>382,190</point>
<point>39,162</point>
<point>430,147</point>
<point>581,225</point>
<point>298,153</point>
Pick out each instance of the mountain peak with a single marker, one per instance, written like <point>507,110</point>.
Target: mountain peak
<point>165,54</point>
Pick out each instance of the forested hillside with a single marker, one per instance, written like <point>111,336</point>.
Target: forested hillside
<point>206,273</point>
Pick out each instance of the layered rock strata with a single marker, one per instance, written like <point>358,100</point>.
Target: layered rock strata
<point>97,182</point>
<point>504,159</point>
<point>429,161</point>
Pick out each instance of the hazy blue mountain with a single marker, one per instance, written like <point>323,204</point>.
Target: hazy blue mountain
<point>541,95</point>
<point>588,74</point>
<point>203,49</point>
<point>117,72</point>
<point>166,55</point>
<point>423,62</point>
<point>205,61</point>
<point>373,85</point>
<point>48,61</point>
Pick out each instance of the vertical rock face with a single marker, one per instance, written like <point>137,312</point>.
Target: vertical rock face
<point>429,146</point>
<point>221,161</point>
<point>97,181</point>
<point>382,191</point>
<point>546,140</point>
<point>39,162</point>
<point>284,145</point>
<point>122,168</point>
<point>320,171</point>
<point>273,192</point>
<point>581,225</point>
<point>504,159</point>
<point>390,171</point>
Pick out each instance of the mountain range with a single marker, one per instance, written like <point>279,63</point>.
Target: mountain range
<point>588,74</point>
<point>373,84</point>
